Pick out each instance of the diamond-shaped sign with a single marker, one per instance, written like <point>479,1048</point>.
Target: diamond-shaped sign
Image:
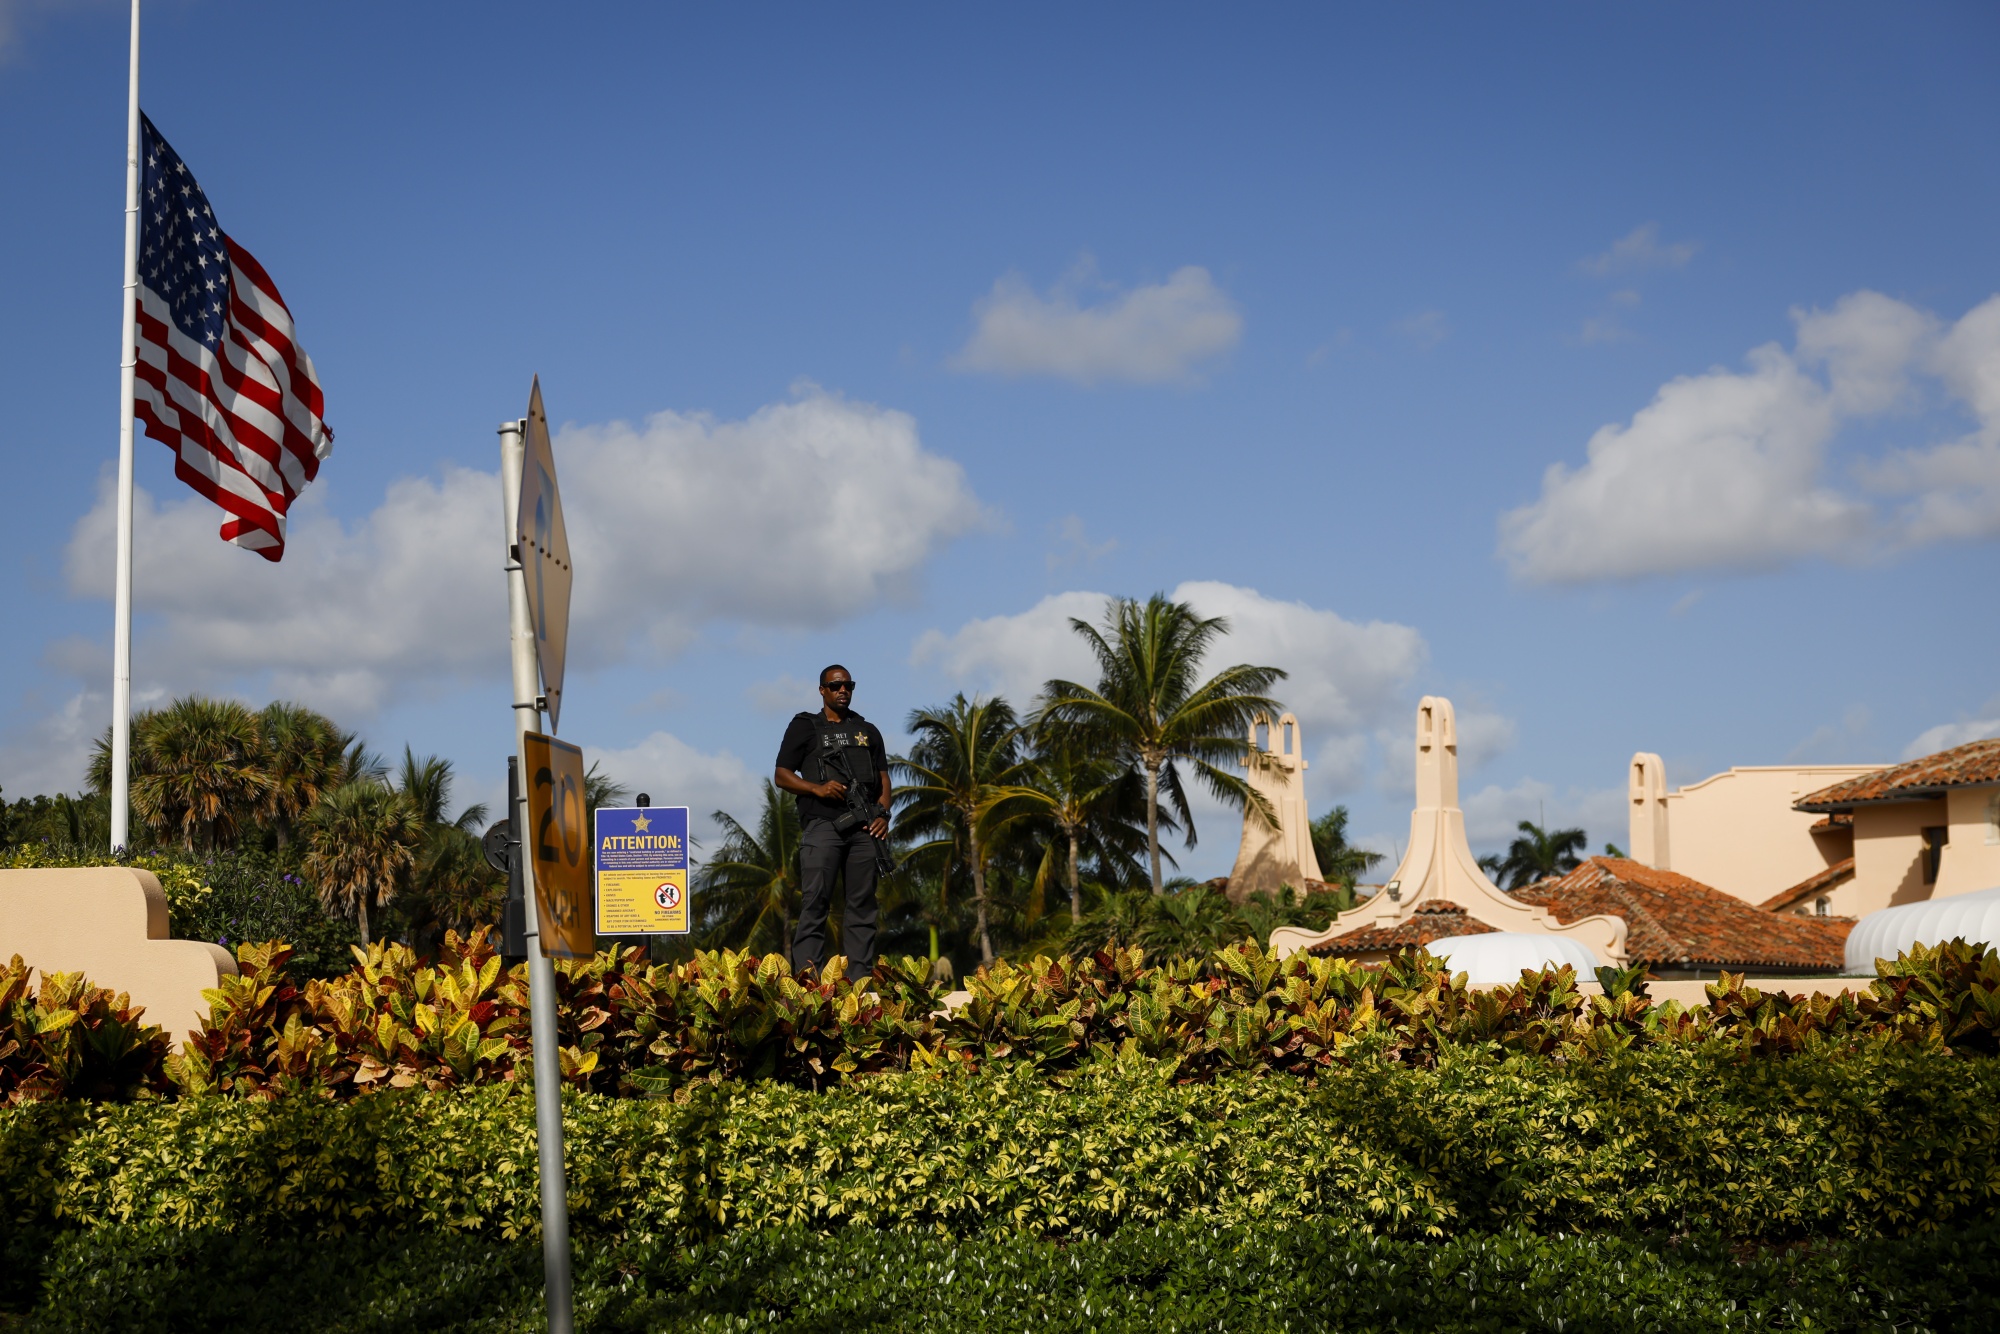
<point>544,548</point>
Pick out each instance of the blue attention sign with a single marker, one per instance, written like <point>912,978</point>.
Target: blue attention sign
<point>642,871</point>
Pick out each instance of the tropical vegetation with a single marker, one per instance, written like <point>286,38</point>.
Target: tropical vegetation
<point>1171,1277</point>
<point>1539,854</point>
<point>1019,827</point>
<point>1152,709</point>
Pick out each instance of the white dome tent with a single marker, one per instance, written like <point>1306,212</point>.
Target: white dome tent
<point>1891,931</point>
<point>1496,958</point>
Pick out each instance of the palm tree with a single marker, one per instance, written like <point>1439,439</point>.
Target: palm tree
<point>1150,709</point>
<point>749,891</point>
<point>1540,853</point>
<point>1340,862</point>
<point>197,770</point>
<point>965,761</point>
<point>460,889</point>
<point>1088,801</point>
<point>451,875</point>
<point>304,754</point>
<point>361,843</point>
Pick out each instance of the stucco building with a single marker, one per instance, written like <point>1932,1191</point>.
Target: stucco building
<point>1927,829</point>
<point>1738,831</point>
<point>1438,890</point>
<point>1827,840</point>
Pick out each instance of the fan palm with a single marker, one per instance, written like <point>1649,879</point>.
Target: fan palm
<point>361,843</point>
<point>1540,853</point>
<point>749,891</point>
<point>197,770</point>
<point>966,759</point>
<point>1151,709</point>
<point>304,756</point>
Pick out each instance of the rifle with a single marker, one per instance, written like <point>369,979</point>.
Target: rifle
<point>861,811</point>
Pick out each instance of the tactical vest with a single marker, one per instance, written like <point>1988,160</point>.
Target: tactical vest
<point>850,739</point>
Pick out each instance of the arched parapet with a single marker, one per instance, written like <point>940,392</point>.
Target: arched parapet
<point>110,924</point>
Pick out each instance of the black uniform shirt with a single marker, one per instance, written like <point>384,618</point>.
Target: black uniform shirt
<point>798,744</point>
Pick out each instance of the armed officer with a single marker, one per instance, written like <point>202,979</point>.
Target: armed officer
<point>835,763</point>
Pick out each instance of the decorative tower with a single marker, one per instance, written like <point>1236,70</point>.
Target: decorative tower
<point>1274,855</point>
<point>1440,870</point>
<point>1648,793</point>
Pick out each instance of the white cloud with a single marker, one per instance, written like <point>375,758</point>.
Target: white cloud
<point>1639,248</point>
<point>1344,674</point>
<point>15,16</point>
<point>1954,488</point>
<point>49,755</point>
<point>1483,736</point>
<point>673,773</point>
<point>1946,735</point>
<point>1426,328</point>
<point>1720,470</point>
<point>1014,655</point>
<point>1726,469</point>
<point>801,515</point>
<point>786,695</point>
<point>1602,329</point>
<point>1072,545</point>
<point>1149,334</point>
<point>411,593</point>
<point>1346,677</point>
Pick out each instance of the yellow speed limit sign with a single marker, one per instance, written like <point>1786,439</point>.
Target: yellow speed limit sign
<point>558,846</point>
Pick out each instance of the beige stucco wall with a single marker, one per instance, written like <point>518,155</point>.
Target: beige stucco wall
<point>1888,853</point>
<point>1737,831</point>
<point>1843,900</point>
<point>1971,859</point>
<point>1272,856</point>
<point>110,924</point>
<point>1693,995</point>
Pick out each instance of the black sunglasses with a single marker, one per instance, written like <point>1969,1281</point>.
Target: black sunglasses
<point>838,685</point>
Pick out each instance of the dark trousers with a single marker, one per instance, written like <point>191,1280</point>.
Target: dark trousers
<point>824,856</point>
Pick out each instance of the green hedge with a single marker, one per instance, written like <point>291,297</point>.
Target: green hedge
<point>628,1026</point>
<point>1883,1139</point>
<point>1157,1280</point>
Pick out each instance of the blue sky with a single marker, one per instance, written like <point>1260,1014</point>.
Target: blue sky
<point>886,336</point>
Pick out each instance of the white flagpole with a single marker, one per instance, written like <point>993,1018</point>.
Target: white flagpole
<point>121,630</point>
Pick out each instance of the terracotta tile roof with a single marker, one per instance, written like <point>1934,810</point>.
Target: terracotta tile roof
<point>1811,887</point>
<point>1828,823</point>
<point>1673,921</point>
<point>1433,919</point>
<point>1962,766</point>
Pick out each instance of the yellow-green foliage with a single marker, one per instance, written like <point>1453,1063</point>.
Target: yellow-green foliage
<point>182,881</point>
<point>628,1026</point>
<point>71,1039</point>
<point>1884,1138</point>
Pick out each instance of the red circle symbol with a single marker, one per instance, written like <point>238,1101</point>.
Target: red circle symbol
<point>668,896</point>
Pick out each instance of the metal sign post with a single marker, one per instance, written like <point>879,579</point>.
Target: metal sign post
<point>541,972</point>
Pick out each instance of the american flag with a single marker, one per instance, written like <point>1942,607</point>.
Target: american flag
<point>221,379</point>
